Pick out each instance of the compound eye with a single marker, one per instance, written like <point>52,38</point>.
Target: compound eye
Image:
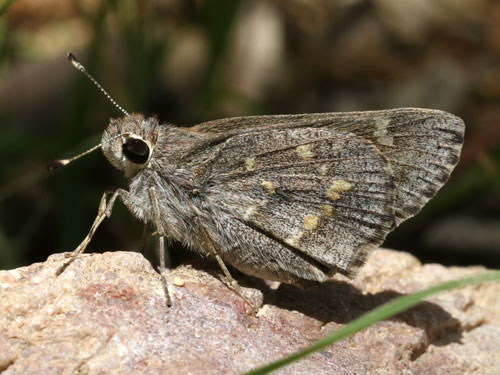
<point>136,150</point>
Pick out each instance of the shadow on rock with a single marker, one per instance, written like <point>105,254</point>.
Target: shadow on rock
<point>340,302</point>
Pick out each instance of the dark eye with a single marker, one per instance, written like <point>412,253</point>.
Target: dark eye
<point>136,150</point>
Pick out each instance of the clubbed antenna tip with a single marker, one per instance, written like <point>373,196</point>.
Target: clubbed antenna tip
<point>62,162</point>
<point>75,62</point>
<point>82,69</point>
<point>56,164</point>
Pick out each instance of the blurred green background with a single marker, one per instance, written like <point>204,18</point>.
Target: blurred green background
<point>190,61</point>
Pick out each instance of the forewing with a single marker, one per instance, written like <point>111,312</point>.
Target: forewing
<point>422,145</point>
<point>326,194</point>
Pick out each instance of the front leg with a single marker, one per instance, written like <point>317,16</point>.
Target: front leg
<point>105,208</point>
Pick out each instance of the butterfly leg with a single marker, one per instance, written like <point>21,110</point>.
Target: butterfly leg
<point>230,282</point>
<point>161,239</point>
<point>144,240</point>
<point>104,211</point>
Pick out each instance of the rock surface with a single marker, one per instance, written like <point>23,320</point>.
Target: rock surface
<point>106,314</point>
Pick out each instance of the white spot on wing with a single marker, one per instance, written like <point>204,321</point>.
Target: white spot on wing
<point>269,186</point>
<point>311,222</point>
<point>323,170</point>
<point>327,210</point>
<point>382,133</point>
<point>294,240</point>
<point>337,187</point>
<point>250,211</point>
<point>250,164</point>
<point>305,152</point>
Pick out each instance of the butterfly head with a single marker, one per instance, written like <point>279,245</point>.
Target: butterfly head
<point>128,142</point>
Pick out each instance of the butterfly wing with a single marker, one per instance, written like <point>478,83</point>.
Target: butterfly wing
<point>297,203</point>
<point>422,145</point>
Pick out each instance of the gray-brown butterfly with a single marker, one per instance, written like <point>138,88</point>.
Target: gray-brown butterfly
<point>291,198</point>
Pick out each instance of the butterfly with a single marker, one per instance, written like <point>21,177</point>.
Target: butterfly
<point>291,198</point>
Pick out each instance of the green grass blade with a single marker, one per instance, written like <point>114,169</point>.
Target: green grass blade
<point>382,312</point>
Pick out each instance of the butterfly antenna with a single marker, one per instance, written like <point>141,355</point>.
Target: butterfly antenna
<point>54,164</point>
<point>82,69</point>
<point>62,162</point>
